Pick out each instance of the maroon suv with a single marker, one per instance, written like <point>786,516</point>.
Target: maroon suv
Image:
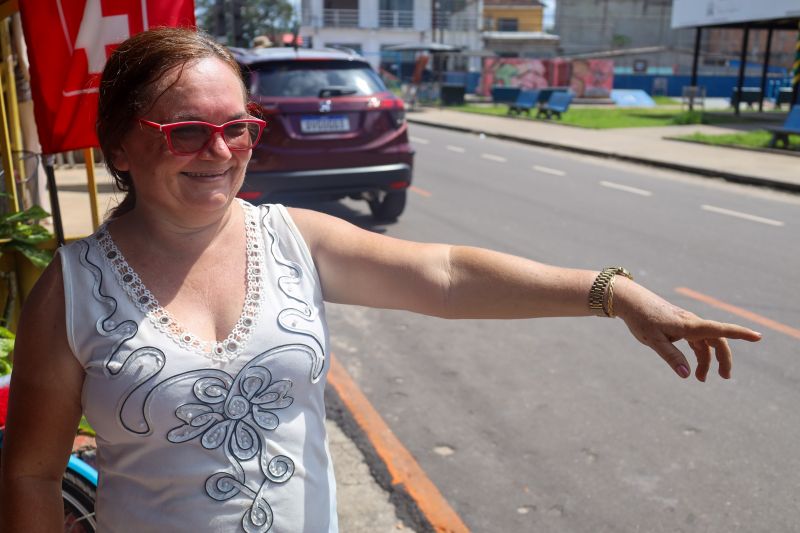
<point>333,130</point>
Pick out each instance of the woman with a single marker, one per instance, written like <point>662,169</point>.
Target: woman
<point>199,434</point>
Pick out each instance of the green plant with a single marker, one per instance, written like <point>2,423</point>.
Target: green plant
<point>6,346</point>
<point>22,232</point>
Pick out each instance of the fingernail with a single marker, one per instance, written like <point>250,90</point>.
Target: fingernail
<point>683,371</point>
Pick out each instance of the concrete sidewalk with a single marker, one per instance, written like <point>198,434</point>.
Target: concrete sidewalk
<point>640,145</point>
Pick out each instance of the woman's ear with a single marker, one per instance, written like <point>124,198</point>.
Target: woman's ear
<point>119,159</point>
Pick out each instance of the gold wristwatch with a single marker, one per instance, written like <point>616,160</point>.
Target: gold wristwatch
<point>601,295</point>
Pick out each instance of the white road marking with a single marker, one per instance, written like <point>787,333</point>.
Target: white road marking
<point>419,140</point>
<point>492,157</point>
<point>547,170</point>
<point>455,148</point>
<point>739,214</point>
<point>626,188</point>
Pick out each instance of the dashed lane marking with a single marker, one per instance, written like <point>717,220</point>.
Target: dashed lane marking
<point>739,214</point>
<point>548,170</point>
<point>419,140</point>
<point>748,315</point>
<point>404,470</point>
<point>455,148</point>
<point>625,188</point>
<point>421,192</point>
<point>492,157</point>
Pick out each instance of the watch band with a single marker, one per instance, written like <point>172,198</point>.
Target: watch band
<point>601,294</point>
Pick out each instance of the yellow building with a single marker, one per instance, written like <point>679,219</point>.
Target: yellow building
<point>514,28</point>
<point>513,15</point>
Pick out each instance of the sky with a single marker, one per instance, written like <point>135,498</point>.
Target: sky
<point>549,13</point>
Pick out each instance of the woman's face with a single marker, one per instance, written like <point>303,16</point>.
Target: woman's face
<point>181,185</point>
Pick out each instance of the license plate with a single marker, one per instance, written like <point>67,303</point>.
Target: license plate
<point>327,124</point>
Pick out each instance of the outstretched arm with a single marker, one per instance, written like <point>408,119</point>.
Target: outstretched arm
<point>363,268</point>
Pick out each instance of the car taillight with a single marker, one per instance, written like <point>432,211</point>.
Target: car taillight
<point>395,107</point>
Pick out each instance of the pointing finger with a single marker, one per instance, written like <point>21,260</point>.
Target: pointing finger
<point>706,329</point>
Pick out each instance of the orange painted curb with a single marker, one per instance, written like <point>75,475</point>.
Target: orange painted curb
<point>421,192</point>
<point>403,468</point>
<point>758,319</point>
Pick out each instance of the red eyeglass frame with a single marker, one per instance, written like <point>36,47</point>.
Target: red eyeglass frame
<point>167,128</point>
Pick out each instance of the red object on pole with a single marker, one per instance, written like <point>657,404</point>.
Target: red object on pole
<point>68,44</point>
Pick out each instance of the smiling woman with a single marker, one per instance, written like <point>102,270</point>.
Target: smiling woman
<point>190,328</point>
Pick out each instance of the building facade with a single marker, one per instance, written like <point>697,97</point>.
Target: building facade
<point>514,28</point>
<point>613,27</point>
<point>370,27</point>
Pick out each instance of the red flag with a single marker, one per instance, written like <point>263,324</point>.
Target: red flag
<point>68,44</point>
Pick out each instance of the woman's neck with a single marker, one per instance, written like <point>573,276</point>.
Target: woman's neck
<point>168,235</point>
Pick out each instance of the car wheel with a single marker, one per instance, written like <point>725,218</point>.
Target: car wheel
<point>388,208</point>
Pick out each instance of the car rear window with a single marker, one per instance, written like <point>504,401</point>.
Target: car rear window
<point>309,78</point>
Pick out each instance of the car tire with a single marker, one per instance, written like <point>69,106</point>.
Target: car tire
<point>390,207</point>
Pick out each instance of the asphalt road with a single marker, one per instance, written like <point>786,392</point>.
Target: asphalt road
<point>569,425</point>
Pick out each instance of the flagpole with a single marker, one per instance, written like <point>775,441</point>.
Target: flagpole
<point>49,160</point>
<point>88,157</point>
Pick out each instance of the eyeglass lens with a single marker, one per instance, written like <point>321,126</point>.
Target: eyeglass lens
<point>194,137</point>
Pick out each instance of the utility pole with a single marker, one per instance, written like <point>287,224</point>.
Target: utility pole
<point>219,19</point>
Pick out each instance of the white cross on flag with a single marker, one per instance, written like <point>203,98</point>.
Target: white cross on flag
<point>68,44</point>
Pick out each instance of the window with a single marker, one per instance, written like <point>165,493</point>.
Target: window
<point>309,78</point>
<point>507,25</point>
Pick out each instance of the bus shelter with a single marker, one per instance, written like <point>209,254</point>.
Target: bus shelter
<point>744,15</point>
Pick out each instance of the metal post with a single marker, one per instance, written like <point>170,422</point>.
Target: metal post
<point>697,34</point>
<point>88,157</point>
<point>765,71</point>
<point>58,225</point>
<point>742,63</point>
<point>7,158</point>
<point>796,71</point>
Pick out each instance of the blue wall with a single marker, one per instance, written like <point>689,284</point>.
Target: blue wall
<point>716,86</point>
<point>468,79</point>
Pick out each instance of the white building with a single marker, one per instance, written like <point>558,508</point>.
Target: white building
<point>370,26</point>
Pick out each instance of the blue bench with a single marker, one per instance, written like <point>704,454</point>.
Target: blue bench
<point>526,101</point>
<point>557,104</point>
<point>504,95</point>
<point>790,127</point>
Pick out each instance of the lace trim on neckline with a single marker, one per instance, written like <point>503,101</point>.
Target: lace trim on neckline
<point>219,351</point>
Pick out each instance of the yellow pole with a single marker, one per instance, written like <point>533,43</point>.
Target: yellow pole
<point>88,157</point>
<point>11,99</point>
<point>6,156</point>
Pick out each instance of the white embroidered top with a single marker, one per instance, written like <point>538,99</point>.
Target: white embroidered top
<point>197,435</point>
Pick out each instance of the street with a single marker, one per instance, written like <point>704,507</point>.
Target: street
<point>570,424</point>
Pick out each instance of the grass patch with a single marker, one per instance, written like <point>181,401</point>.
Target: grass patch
<point>605,118</point>
<point>749,139</point>
<point>666,100</point>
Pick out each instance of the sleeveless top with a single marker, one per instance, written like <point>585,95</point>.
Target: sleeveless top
<point>197,436</point>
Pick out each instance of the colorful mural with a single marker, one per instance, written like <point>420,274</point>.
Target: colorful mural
<point>593,78</point>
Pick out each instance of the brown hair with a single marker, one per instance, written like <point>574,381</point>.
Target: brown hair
<point>126,87</point>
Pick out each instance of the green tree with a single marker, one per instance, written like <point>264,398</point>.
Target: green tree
<point>240,21</point>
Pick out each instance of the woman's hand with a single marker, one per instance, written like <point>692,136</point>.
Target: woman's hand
<point>658,324</point>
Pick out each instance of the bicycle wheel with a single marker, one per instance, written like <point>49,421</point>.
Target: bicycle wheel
<point>78,504</point>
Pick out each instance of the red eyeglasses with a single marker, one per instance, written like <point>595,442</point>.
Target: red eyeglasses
<point>194,136</point>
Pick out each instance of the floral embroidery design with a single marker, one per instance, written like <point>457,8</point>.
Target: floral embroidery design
<point>234,414</point>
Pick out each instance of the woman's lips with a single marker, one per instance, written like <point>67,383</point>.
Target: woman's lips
<point>206,175</point>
